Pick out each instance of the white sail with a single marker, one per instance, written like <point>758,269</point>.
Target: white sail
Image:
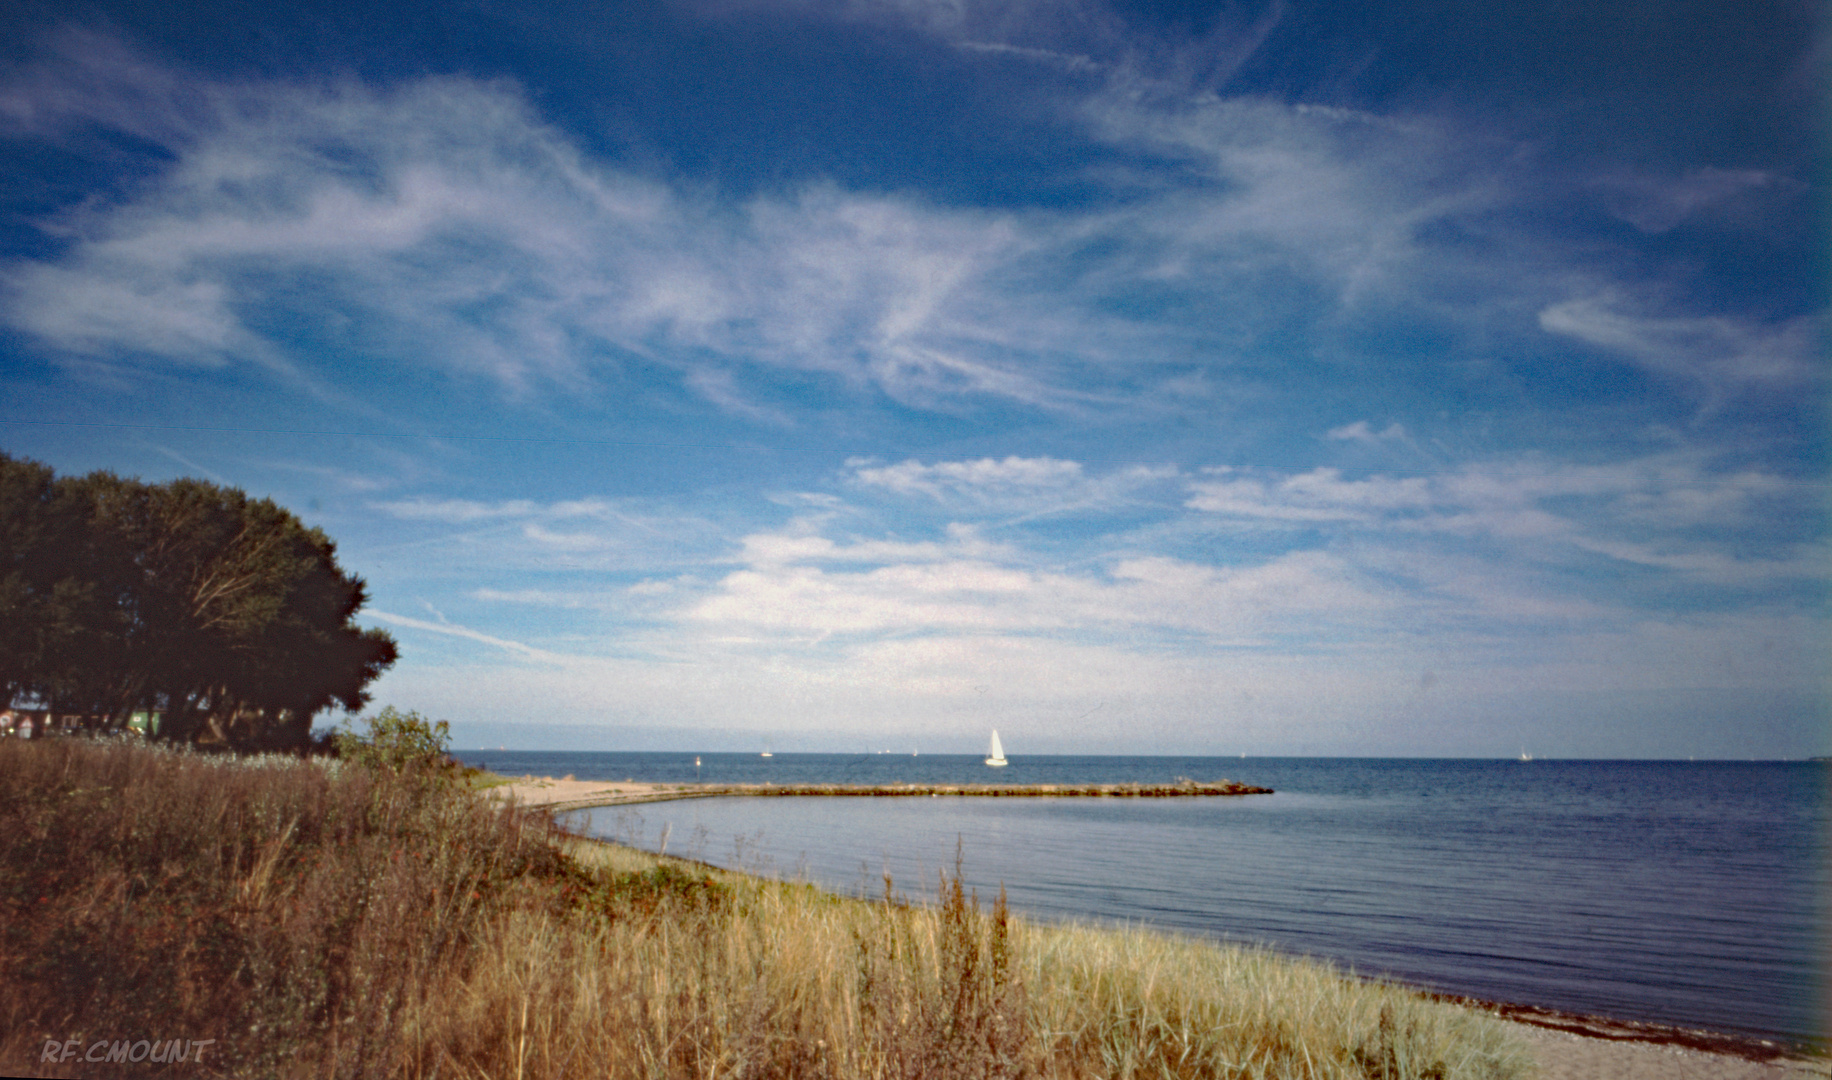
<point>997,756</point>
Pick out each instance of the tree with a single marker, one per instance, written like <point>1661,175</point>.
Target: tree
<point>222,611</point>
<point>50,609</point>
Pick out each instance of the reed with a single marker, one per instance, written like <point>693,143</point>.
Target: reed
<point>329,921</point>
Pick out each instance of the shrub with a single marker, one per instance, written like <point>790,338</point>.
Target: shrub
<point>396,741</point>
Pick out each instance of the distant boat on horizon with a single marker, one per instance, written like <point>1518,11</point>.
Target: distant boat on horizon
<point>1524,756</point>
<point>997,757</point>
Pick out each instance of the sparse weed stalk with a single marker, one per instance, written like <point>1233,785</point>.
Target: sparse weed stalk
<point>323,920</point>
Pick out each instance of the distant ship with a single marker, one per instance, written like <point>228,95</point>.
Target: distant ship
<point>1524,756</point>
<point>997,758</point>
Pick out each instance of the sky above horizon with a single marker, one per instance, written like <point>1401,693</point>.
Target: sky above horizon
<point>1425,378</point>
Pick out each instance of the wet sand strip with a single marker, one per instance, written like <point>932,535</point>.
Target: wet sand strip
<point>1609,1029</point>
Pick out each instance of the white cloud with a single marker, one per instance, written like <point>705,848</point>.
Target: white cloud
<point>566,598</point>
<point>455,511</point>
<point>452,630</point>
<point>1360,431</point>
<point>1486,549</point>
<point>1073,62</point>
<point>1339,199</point>
<point>338,479</point>
<point>1657,204</point>
<point>1318,495</point>
<point>782,593</point>
<point>95,316</point>
<point>1797,562</point>
<point>969,476</point>
<point>1446,592</point>
<point>442,222</point>
<point>938,687</point>
<point>94,78</point>
<point>802,544</point>
<point>1659,513</point>
<point>1020,486</point>
<point>490,540</point>
<point>1725,355</point>
<point>445,223</point>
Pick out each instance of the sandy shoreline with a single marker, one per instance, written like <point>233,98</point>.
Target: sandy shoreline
<point>581,794</point>
<point>1567,1047</point>
<point>1564,1055</point>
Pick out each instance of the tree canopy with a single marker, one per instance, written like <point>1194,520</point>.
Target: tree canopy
<point>224,613</point>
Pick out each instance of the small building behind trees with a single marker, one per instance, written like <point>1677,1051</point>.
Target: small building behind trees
<point>224,615</point>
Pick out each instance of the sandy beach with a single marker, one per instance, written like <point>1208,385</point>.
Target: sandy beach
<point>1563,1055</point>
<point>547,791</point>
<point>1639,1054</point>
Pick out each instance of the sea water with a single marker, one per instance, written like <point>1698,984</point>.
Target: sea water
<point>1681,893</point>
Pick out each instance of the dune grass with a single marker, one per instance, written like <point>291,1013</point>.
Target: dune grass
<point>325,920</point>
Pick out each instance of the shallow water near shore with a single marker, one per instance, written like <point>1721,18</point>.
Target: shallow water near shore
<point>1673,892</point>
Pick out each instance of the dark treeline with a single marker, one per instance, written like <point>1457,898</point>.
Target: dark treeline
<point>224,613</point>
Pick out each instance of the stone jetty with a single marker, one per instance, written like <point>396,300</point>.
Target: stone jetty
<point>579,795</point>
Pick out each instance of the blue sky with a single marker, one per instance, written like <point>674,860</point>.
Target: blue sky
<point>1421,378</point>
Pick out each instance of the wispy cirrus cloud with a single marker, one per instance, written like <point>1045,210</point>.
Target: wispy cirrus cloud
<point>1674,512</point>
<point>1657,513</point>
<point>1318,495</point>
<point>1132,359</point>
<point>444,223</point>
<point>1432,216</point>
<point>1658,204</point>
<point>1722,355</point>
<point>455,511</point>
<point>443,219</point>
<point>593,535</point>
<point>450,629</point>
<point>805,544</point>
<point>1010,474</point>
<point>1018,486</point>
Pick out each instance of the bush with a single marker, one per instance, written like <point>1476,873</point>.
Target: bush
<point>396,741</point>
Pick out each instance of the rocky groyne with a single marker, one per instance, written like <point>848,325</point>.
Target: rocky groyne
<point>552,793</point>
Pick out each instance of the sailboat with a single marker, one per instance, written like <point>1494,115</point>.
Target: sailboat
<point>998,752</point>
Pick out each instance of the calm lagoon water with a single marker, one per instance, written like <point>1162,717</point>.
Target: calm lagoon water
<point>1675,892</point>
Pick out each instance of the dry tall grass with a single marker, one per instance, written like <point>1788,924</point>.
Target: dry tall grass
<point>332,922</point>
